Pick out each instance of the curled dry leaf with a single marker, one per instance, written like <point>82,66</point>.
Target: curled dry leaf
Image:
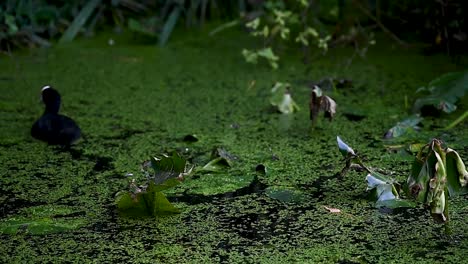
<point>332,210</point>
<point>320,102</point>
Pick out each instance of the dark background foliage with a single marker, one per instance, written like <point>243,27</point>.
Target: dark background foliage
<point>438,24</point>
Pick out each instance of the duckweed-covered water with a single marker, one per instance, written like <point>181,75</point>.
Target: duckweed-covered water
<point>133,101</point>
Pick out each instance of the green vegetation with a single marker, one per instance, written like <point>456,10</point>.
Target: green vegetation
<point>264,188</point>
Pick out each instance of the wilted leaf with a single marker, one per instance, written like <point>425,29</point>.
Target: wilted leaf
<point>320,102</point>
<point>437,173</point>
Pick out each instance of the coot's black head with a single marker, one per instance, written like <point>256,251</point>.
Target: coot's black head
<point>51,99</point>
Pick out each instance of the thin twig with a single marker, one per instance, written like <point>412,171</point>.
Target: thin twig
<point>376,20</point>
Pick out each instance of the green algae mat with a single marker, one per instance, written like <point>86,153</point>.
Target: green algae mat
<point>277,199</point>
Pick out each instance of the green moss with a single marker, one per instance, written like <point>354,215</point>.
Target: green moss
<point>133,101</point>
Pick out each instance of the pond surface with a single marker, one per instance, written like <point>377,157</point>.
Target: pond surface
<point>133,101</point>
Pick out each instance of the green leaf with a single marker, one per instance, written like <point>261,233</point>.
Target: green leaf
<point>285,194</point>
<point>281,98</point>
<point>11,23</point>
<point>216,164</point>
<point>41,220</point>
<point>169,25</point>
<point>401,128</point>
<point>345,150</point>
<point>79,21</point>
<point>218,183</point>
<point>39,226</point>
<point>167,167</point>
<point>162,206</point>
<point>444,92</point>
<point>151,202</point>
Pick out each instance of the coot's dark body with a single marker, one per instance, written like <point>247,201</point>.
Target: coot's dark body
<point>52,127</point>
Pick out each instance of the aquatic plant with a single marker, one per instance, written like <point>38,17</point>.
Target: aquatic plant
<point>149,200</point>
<point>281,98</point>
<point>436,174</point>
<point>440,95</point>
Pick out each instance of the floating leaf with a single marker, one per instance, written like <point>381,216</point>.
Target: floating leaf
<point>219,183</point>
<point>345,150</point>
<point>444,92</point>
<point>41,220</point>
<point>285,194</point>
<point>409,124</point>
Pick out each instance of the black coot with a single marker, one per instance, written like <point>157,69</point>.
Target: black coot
<point>52,127</point>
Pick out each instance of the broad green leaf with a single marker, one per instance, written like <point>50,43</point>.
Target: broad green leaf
<point>444,92</point>
<point>345,150</point>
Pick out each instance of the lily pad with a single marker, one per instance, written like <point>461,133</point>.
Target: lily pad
<point>285,194</point>
<point>41,220</point>
<point>213,184</point>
